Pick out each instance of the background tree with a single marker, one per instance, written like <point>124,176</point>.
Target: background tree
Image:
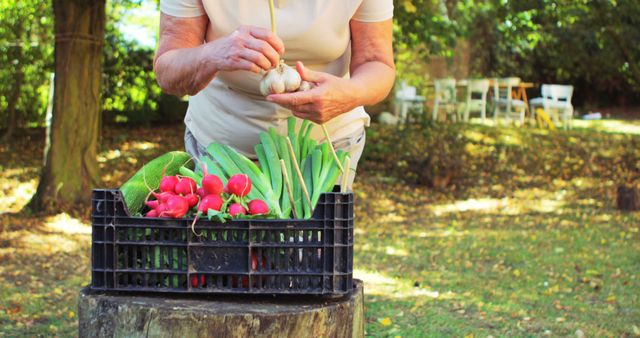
<point>130,92</point>
<point>71,168</point>
<point>590,44</point>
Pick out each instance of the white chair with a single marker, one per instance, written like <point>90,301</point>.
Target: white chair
<point>407,98</point>
<point>476,98</point>
<point>555,98</point>
<point>388,118</point>
<point>445,98</point>
<point>505,105</point>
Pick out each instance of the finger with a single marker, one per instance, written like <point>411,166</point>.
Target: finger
<point>305,108</point>
<point>265,49</point>
<point>307,116</point>
<point>292,99</point>
<point>256,57</point>
<point>243,64</point>
<point>310,75</point>
<point>268,36</point>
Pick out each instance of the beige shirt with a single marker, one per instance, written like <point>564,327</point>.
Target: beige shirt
<point>230,109</point>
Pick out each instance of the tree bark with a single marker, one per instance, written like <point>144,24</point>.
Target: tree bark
<point>71,168</point>
<point>132,315</point>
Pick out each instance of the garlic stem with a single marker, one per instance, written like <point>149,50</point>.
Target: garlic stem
<point>324,129</point>
<point>273,17</point>
<point>287,182</point>
<point>345,176</point>
<point>333,150</point>
<point>300,178</point>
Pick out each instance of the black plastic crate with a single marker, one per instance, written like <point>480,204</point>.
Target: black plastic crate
<point>293,256</point>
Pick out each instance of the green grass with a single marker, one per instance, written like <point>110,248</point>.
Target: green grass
<point>540,262</point>
<point>548,257</point>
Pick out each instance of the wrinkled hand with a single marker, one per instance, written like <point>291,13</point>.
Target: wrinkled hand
<point>330,97</point>
<point>248,48</point>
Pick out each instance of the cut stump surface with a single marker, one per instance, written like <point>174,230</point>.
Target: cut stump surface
<point>135,315</point>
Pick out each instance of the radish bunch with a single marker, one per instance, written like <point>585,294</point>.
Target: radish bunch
<point>176,196</point>
<point>179,196</point>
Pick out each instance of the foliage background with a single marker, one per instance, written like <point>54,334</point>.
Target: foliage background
<point>591,44</point>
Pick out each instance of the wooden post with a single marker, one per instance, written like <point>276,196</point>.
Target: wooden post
<point>136,315</point>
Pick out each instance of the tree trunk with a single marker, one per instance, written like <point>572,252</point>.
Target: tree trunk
<point>71,168</point>
<point>135,315</point>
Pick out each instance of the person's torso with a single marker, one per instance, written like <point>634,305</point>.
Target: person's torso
<point>315,32</point>
<point>231,110</point>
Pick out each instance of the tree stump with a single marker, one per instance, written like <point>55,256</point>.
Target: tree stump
<point>628,198</point>
<point>135,315</point>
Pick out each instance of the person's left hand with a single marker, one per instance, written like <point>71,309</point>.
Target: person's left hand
<point>330,97</point>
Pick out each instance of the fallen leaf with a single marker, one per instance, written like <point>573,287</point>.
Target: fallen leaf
<point>385,321</point>
<point>13,309</point>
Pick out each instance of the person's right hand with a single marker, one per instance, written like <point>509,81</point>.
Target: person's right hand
<point>248,48</point>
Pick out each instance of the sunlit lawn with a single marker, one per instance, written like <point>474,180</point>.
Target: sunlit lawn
<point>540,262</point>
<point>537,261</point>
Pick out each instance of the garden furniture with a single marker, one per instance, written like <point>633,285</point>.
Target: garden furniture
<point>476,100</point>
<point>445,98</point>
<point>408,100</point>
<point>556,98</point>
<point>504,102</point>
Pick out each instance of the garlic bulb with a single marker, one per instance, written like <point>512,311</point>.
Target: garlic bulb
<point>272,83</point>
<point>304,86</point>
<point>291,79</point>
<point>281,79</point>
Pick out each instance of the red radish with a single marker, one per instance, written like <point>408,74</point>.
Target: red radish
<point>192,199</point>
<point>162,207</point>
<point>237,209</point>
<point>201,192</point>
<point>168,183</point>
<point>210,202</point>
<point>163,197</point>
<point>152,204</point>
<point>212,184</point>
<point>152,213</point>
<point>194,281</point>
<point>186,186</point>
<point>258,207</point>
<point>177,207</point>
<point>239,185</point>
<point>254,266</point>
<point>254,261</point>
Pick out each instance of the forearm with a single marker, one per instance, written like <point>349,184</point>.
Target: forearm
<point>184,71</point>
<point>372,68</point>
<point>372,82</point>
